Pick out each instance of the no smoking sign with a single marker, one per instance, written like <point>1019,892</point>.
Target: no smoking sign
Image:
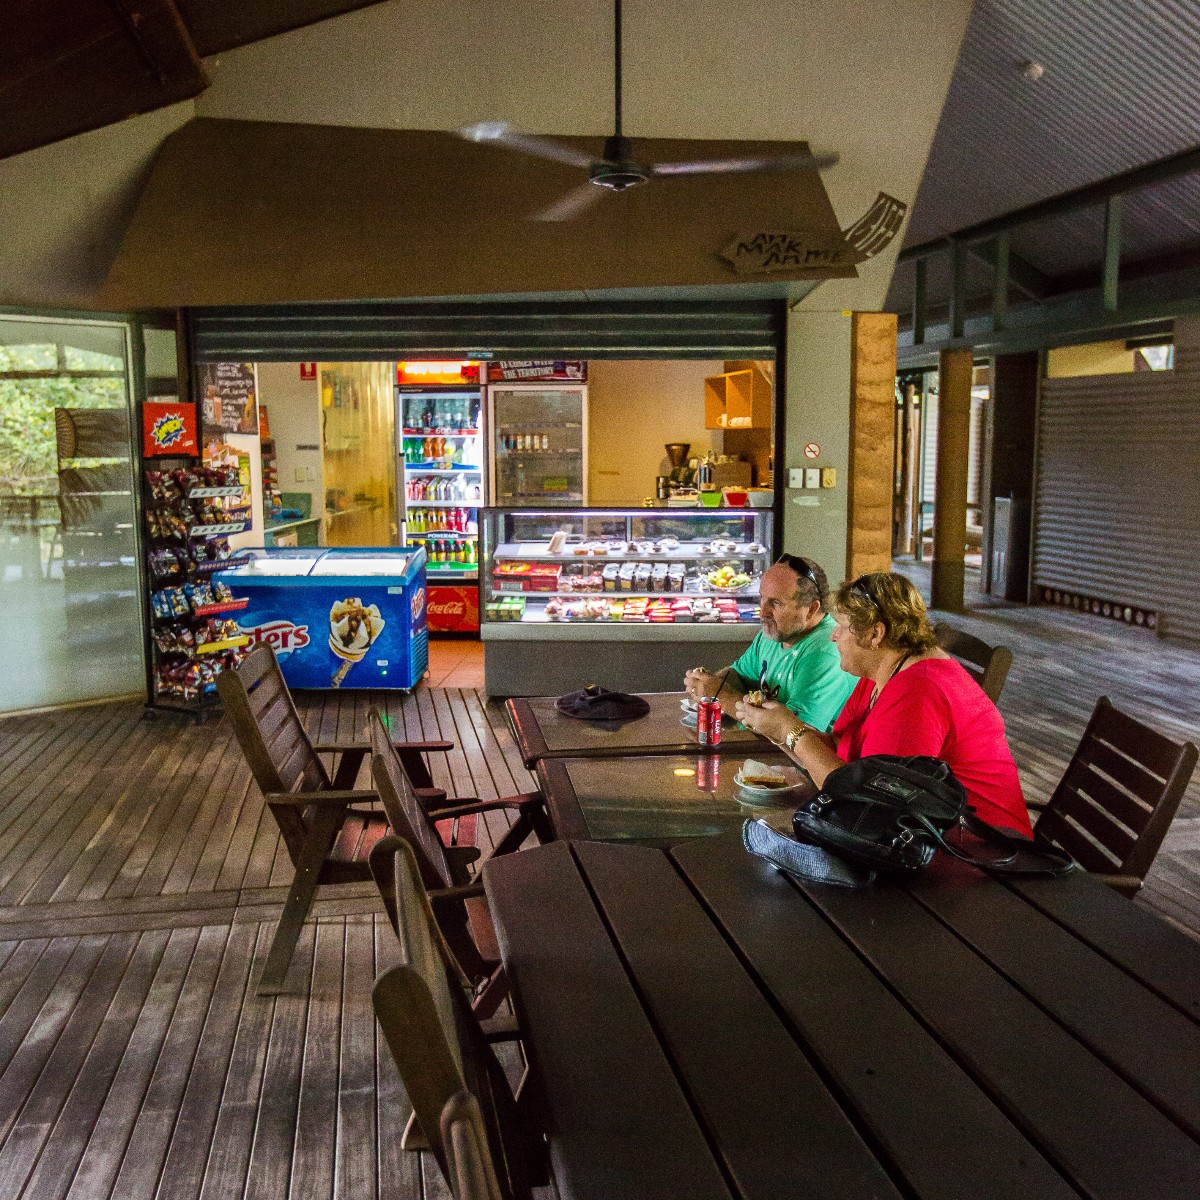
<point>812,450</point>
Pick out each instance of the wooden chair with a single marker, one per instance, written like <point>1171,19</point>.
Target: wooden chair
<point>442,1051</point>
<point>987,665</point>
<point>327,838</point>
<point>445,872</point>
<point>469,1169</point>
<point>1118,797</point>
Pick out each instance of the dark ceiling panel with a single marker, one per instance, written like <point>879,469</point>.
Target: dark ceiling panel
<point>218,25</point>
<point>1119,91</point>
<point>68,66</point>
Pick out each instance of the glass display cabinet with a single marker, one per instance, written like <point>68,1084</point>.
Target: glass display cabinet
<point>625,598</point>
<point>539,443</point>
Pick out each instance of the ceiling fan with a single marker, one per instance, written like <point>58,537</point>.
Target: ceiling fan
<point>618,169</point>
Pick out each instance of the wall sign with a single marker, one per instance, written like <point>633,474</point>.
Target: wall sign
<point>535,371</point>
<point>308,370</point>
<point>228,397</point>
<point>812,450</point>
<point>168,427</point>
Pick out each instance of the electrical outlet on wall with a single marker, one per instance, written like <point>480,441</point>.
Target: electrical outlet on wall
<point>795,477</point>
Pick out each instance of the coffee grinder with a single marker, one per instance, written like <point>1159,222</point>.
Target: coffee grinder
<point>680,475</point>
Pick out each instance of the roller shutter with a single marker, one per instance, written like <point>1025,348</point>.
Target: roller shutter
<point>600,329</point>
<point>1117,510</point>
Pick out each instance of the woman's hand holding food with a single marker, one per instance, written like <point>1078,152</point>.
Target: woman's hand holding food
<point>770,719</point>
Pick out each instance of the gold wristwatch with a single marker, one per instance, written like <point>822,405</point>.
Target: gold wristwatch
<point>794,737</point>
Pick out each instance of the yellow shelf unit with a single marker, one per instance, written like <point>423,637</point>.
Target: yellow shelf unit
<point>738,400</point>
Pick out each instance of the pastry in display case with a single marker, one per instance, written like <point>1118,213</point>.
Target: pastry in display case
<point>617,576</point>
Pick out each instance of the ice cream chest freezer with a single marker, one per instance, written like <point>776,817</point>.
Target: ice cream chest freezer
<point>337,618</point>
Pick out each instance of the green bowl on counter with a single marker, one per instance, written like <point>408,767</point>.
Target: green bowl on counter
<point>710,499</point>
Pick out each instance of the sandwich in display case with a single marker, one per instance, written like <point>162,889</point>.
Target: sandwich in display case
<point>625,598</point>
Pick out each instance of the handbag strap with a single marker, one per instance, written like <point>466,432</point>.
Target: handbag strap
<point>1024,857</point>
<point>1047,859</point>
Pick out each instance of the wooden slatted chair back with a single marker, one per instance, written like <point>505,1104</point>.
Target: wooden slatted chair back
<point>272,736</point>
<point>988,665</point>
<point>469,1169</point>
<point>404,811</point>
<point>268,727</point>
<point>439,1048</point>
<point>1118,796</point>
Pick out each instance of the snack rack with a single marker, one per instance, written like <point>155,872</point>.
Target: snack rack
<point>190,512</point>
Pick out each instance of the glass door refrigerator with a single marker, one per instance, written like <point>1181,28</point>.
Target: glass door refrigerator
<point>539,443</point>
<point>444,473</point>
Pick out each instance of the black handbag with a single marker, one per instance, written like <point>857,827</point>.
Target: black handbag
<point>892,814</point>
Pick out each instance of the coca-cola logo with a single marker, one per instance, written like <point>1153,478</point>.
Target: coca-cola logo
<point>447,608</point>
<point>282,636</point>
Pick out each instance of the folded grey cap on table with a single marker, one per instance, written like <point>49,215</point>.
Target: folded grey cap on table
<point>801,859</point>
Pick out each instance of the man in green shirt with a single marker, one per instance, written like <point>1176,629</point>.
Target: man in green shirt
<point>792,657</point>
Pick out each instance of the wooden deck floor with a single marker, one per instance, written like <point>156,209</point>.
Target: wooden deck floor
<point>140,876</point>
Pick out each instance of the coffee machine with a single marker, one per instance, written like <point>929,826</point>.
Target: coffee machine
<point>680,474</point>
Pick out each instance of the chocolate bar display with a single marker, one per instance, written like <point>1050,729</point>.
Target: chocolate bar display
<point>190,512</point>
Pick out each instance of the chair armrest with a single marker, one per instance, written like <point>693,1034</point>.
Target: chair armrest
<point>345,747</point>
<point>464,891</point>
<point>1127,885</point>
<point>464,854</point>
<point>463,807</point>
<point>500,1029</point>
<point>337,799</point>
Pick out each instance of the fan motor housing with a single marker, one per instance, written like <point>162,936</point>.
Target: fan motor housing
<point>618,176</point>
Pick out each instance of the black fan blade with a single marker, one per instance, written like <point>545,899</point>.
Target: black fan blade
<point>572,204</point>
<point>733,166</point>
<point>500,133</point>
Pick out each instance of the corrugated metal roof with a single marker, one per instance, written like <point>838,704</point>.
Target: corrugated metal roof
<point>1119,90</point>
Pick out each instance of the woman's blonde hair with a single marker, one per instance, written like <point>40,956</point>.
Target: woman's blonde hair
<point>893,600</point>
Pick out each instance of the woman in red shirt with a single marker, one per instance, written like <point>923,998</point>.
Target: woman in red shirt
<point>911,698</point>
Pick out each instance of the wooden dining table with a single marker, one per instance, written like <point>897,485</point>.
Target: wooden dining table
<point>542,732</point>
<point>700,1026</point>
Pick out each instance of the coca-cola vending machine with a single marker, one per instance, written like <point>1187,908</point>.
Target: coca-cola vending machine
<point>440,412</point>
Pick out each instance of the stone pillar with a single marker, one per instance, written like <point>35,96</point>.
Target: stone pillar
<point>872,443</point>
<point>950,492</point>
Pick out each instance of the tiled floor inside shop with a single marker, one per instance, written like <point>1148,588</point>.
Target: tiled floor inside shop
<point>140,876</point>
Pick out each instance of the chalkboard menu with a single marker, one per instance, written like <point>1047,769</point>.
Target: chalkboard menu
<point>227,396</point>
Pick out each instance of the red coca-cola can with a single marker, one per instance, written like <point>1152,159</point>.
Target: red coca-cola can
<point>708,769</point>
<point>708,722</point>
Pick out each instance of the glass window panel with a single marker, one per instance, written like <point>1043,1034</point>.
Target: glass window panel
<point>69,581</point>
<point>28,357</point>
